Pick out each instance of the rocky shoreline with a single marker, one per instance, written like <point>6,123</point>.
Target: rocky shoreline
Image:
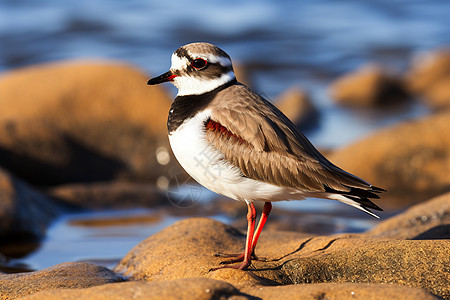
<point>62,146</point>
<point>405,255</point>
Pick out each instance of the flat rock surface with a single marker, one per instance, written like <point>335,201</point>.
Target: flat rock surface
<point>191,288</point>
<point>185,250</point>
<point>205,289</point>
<point>339,291</point>
<point>410,160</point>
<point>99,122</point>
<point>67,275</point>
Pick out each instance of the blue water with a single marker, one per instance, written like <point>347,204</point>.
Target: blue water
<point>282,44</point>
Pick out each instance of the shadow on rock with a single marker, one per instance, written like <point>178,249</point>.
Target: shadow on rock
<point>435,233</point>
<point>78,164</point>
<point>25,215</point>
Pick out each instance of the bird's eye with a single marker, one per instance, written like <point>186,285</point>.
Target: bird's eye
<point>199,63</point>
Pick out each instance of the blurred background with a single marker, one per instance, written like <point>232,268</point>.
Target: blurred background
<point>105,197</point>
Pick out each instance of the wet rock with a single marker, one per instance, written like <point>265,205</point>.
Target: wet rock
<point>109,195</point>
<point>297,106</point>
<point>370,85</point>
<point>201,288</point>
<point>429,76</point>
<point>185,250</point>
<point>83,122</point>
<point>191,288</point>
<point>428,220</point>
<point>410,160</point>
<point>25,213</point>
<point>67,275</point>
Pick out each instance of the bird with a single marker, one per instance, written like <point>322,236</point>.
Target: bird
<point>236,143</point>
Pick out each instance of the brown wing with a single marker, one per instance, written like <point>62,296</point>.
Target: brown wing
<point>268,147</point>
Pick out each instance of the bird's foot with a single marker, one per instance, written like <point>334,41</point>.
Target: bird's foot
<point>235,257</point>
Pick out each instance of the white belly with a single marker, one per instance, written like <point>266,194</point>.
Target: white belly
<point>206,165</point>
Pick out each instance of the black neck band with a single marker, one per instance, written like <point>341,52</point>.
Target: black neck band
<point>185,107</point>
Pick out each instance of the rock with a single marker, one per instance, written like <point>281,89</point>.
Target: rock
<point>99,122</point>
<point>428,220</point>
<point>201,288</point>
<point>376,261</point>
<point>429,76</point>
<point>67,275</point>
<point>410,160</point>
<point>109,195</point>
<point>185,250</point>
<point>427,69</point>
<point>184,239</point>
<point>297,106</point>
<point>368,86</point>
<point>438,96</point>
<point>340,291</point>
<point>191,288</point>
<point>25,214</point>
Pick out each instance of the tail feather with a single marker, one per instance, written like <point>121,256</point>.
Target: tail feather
<point>357,197</point>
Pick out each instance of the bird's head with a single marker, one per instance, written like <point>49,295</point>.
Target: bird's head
<point>197,68</point>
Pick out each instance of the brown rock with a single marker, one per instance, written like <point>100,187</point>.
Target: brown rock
<point>184,250</point>
<point>438,96</point>
<point>67,275</point>
<point>183,260</point>
<point>427,69</point>
<point>25,213</point>
<point>191,288</point>
<point>297,106</point>
<point>202,288</point>
<point>340,291</point>
<point>376,261</point>
<point>428,220</point>
<point>82,121</point>
<point>429,76</point>
<point>410,160</point>
<point>109,195</point>
<point>368,86</point>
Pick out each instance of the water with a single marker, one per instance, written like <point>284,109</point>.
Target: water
<point>100,237</point>
<point>282,43</point>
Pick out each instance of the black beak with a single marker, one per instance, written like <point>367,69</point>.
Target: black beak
<point>168,76</point>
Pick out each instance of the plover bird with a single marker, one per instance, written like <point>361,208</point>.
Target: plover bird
<point>236,143</point>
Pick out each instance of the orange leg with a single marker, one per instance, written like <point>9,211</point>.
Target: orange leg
<point>246,259</point>
<point>265,214</point>
<point>249,250</point>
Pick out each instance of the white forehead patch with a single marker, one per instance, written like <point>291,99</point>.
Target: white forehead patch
<point>179,63</point>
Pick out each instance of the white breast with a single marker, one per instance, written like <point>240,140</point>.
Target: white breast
<point>207,166</point>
